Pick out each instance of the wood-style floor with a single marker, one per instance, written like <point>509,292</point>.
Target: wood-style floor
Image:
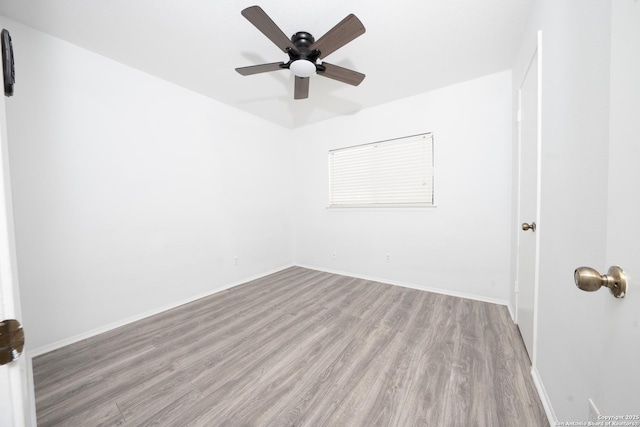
<point>298,348</point>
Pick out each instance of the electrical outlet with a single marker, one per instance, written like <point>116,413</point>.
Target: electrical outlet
<point>387,257</point>
<point>334,255</point>
<point>235,260</point>
<point>593,412</point>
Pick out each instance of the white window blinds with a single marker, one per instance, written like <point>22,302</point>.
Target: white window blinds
<point>397,172</point>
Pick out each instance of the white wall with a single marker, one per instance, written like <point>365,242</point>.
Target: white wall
<point>572,225</point>
<point>132,194</point>
<point>462,245</point>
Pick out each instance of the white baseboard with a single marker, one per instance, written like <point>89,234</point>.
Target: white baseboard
<point>544,397</point>
<point>512,312</point>
<point>67,341</point>
<point>105,328</point>
<point>414,286</point>
<point>93,332</point>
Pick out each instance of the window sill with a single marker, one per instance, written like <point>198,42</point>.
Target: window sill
<point>379,208</point>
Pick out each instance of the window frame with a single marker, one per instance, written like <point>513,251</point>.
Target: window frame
<point>394,142</point>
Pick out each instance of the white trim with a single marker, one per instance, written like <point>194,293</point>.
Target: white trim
<point>93,332</point>
<point>105,328</point>
<point>50,347</point>
<point>544,397</point>
<point>516,295</point>
<point>397,208</point>
<point>536,279</point>
<point>464,295</point>
<point>536,53</point>
<point>512,311</point>
<point>16,394</point>
<point>389,207</point>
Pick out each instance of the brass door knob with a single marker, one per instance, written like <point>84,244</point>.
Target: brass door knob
<point>588,279</point>
<point>531,226</point>
<point>11,340</point>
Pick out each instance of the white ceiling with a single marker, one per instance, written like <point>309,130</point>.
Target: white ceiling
<point>410,46</point>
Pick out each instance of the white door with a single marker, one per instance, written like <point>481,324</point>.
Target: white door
<point>621,372</point>
<point>14,392</point>
<point>528,143</point>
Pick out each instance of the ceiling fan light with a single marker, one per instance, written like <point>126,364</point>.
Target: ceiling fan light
<point>302,68</point>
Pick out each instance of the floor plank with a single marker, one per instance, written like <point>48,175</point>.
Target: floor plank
<point>298,348</point>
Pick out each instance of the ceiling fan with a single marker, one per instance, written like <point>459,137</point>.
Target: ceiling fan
<point>305,52</point>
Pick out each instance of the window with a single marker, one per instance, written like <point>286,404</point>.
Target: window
<point>397,172</point>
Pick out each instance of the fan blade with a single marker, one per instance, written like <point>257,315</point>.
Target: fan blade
<point>344,31</point>
<point>344,75</point>
<point>301,89</point>
<point>262,68</point>
<point>262,22</point>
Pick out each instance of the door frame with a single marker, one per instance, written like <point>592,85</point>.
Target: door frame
<point>16,378</point>
<point>536,50</point>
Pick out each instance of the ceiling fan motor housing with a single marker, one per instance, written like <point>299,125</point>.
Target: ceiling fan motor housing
<point>302,40</point>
